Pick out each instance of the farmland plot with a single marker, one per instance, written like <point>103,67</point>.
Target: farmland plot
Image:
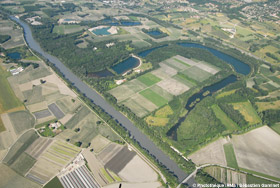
<point>11,179</point>
<point>258,150</point>
<point>21,120</point>
<point>175,76</point>
<point>68,104</point>
<point>249,113</point>
<point>173,86</point>
<point>197,74</point>
<point>52,160</point>
<point>213,153</point>
<point>20,146</point>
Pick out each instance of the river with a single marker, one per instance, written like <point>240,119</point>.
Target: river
<point>141,138</point>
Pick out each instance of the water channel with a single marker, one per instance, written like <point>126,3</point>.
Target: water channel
<point>144,141</point>
<point>141,138</point>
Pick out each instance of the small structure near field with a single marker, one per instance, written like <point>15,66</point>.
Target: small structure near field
<point>16,71</point>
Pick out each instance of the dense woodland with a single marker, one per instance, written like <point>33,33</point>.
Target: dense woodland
<point>81,61</point>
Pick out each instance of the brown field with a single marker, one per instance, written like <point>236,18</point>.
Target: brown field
<point>109,152</point>
<point>156,121</point>
<point>213,153</point>
<point>258,150</point>
<point>37,106</point>
<point>120,160</point>
<point>144,172</point>
<point>54,79</point>
<point>95,167</point>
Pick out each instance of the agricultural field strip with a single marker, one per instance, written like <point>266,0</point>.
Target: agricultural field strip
<point>247,110</point>
<point>109,152</point>
<point>56,111</point>
<point>95,166</point>
<point>42,114</point>
<point>56,156</point>
<point>38,147</point>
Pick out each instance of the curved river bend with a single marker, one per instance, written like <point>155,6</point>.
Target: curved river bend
<point>144,141</point>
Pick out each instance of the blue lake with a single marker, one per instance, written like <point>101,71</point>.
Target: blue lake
<point>125,23</point>
<point>126,65</point>
<point>102,31</point>
<point>14,55</point>
<point>147,52</point>
<point>154,33</point>
<point>240,67</point>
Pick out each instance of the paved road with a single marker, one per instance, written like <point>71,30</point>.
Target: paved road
<point>141,138</point>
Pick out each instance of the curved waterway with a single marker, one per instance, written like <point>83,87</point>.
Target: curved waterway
<point>239,67</point>
<point>141,138</point>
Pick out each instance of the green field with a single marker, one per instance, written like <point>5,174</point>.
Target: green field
<point>2,127</point>
<point>89,128</point>
<point>276,127</point>
<point>260,174</point>
<point>226,93</point>
<point>158,90</point>
<point>23,163</point>
<point>68,104</point>
<point>11,179</point>
<point>184,80</point>
<point>65,29</point>
<point>83,112</point>
<point>22,120</point>
<point>154,97</point>
<point>226,121</point>
<point>269,87</point>
<point>54,183</point>
<point>135,85</point>
<point>20,146</point>
<point>256,180</point>
<point>148,79</point>
<point>8,100</point>
<point>197,74</point>
<point>249,113</point>
<point>107,176</point>
<point>230,156</point>
<point>182,62</point>
<point>139,110</point>
<point>200,126</point>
